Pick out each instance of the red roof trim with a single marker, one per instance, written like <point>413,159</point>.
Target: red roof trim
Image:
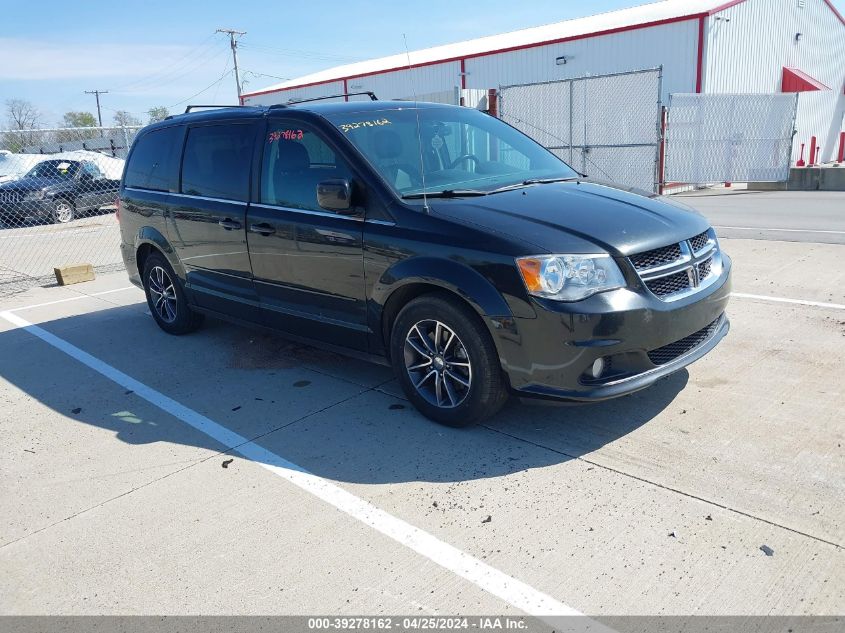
<point>510,49</point>
<point>699,71</point>
<point>728,5</point>
<point>835,12</point>
<point>634,27</point>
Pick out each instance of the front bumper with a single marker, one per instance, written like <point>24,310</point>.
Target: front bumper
<point>25,210</point>
<point>641,339</point>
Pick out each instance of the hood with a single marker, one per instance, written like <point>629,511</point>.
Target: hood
<point>577,216</point>
<point>32,184</point>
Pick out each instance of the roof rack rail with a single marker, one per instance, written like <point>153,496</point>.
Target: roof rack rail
<point>191,107</point>
<point>370,94</point>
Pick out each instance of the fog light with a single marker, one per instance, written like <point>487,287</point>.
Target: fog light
<point>598,368</point>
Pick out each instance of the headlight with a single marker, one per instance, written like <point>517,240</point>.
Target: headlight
<point>569,277</point>
<point>35,195</point>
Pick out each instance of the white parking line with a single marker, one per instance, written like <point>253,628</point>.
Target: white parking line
<point>82,296</point>
<point>513,591</point>
<point>800,302</point>
<point>79,231</point>
<point>760,228</point>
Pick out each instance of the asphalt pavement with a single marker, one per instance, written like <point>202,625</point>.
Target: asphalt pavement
<point>789,216</point>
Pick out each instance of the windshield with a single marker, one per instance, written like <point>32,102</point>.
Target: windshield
<point>453,149</point>
<point>64,169</point>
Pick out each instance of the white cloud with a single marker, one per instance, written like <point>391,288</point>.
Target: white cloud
<point>38,60</point>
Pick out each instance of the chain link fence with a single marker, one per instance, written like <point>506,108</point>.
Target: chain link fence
<point>714,138</point>
<point>58,190</point>
<point>606,126</point>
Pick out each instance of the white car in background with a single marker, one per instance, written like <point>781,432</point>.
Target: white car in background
<point>13,166</point>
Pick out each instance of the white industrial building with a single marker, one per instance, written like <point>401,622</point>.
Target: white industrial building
<point>703,46</point>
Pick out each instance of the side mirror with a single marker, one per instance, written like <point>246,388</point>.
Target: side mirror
<point>335,195</point>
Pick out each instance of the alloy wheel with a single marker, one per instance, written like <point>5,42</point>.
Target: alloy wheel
<point>64,212</point>
<point>162,294</point>
<point>438,364</point>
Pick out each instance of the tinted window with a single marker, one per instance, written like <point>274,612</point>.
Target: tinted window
<point>64,169</point>
<point>92,170</point>
<point>216,161</point>
<point>296,159</point>
<point>154,160</point>
<point>448,148</point>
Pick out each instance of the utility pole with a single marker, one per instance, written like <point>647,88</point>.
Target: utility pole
<point>97,94</point>
<point>233,42</point>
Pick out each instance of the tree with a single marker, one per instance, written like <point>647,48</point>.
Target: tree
<point>76,120</point>
<point>158,113</point>
<point>20,115</point>
<point>79,119</point>
<point>122,118</point>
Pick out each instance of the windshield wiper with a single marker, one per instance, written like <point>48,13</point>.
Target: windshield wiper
<point>547,181</point>
<point>448,193</point>
<point>533,181</point>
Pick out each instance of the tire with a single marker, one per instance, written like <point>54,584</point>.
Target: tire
<point>462,360</point>
<point>166,298</point>
<point>63,211</point>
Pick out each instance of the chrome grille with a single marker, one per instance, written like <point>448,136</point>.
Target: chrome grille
<point>657,257</point>
<point>10,197</point>
<point>670,284</point>
<point>668,353</point>
<point>699,242</point>
<point>677,270</point>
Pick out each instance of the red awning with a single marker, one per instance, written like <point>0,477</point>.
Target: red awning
<point>795,80</point>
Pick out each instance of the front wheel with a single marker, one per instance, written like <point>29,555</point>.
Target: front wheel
<point>446,362</point>
<point>166,298</point>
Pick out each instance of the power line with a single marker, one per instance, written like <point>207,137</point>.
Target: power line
<point>256,74</point>
<point>209,87</point>
<point>168,68</point>
<point>233,42</point>
<point>169,77</point>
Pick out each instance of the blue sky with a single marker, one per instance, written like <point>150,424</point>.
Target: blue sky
<point>164,52</point>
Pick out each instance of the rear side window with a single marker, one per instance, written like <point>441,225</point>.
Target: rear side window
<point>154,161</point>
<point>216,161</point>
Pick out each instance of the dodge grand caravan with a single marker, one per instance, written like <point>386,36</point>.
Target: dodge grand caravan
<point>436,239</point>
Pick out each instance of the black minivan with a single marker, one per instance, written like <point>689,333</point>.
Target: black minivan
<point>437,239</point>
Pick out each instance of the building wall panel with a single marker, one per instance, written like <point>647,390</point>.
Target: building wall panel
<point>402,84</point>
<point>749,44</point>
<point>308,92</point>
<point>674,46</point>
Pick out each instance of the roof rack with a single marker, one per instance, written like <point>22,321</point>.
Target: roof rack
<point>191,107</point>
<point>371,95</point>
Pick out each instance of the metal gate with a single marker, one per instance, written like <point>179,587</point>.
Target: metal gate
<point>606,126</point>
<point>729,137</point>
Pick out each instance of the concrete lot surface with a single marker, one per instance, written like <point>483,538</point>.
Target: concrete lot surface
<point>33,250</point>
<point>296,481</point>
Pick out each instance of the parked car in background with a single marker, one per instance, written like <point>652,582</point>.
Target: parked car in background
<point>56,190</point>
<point>436,239</point>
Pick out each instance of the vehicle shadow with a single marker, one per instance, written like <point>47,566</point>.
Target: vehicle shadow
<point>368,437</point>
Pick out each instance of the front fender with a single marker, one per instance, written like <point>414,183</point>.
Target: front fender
<point>450,275</point>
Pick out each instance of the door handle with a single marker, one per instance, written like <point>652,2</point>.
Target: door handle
<point>229,225</point>
<point>263,228</point>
